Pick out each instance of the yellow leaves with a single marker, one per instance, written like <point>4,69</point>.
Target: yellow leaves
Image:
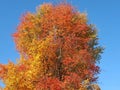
<point>86,82</point>
<point>11,75</point>
<point>79,17</point>
<point>19,79</point>
<point>89,87</point>
<point>93,36</point>
<point>96,87</point>
<point>44,8</point>
<point>34,65</point>
<point>83,18</point>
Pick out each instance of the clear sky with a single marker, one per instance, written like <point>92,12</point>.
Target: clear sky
<point>105,14</point>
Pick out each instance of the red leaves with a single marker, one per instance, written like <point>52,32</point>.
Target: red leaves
<point>15,35</point>
<point>26,22</point>
<point>21,67</point>
<point>2,71</point>
<point>59,15</point>
<point>72,81</point>
<point>49,83</point>
<point>68,61</point>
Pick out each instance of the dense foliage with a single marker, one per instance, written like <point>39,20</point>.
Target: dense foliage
<point>58,51</point>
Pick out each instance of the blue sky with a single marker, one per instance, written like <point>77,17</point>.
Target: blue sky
<point>105,14</point>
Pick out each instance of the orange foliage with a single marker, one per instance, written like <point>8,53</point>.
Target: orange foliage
<point>58,51</point>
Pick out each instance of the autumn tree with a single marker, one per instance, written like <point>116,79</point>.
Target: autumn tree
<point>58,51</point>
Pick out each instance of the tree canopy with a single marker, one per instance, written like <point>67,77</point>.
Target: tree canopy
<point>58,50</point>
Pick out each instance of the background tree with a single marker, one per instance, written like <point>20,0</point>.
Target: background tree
<point>58,51</point>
